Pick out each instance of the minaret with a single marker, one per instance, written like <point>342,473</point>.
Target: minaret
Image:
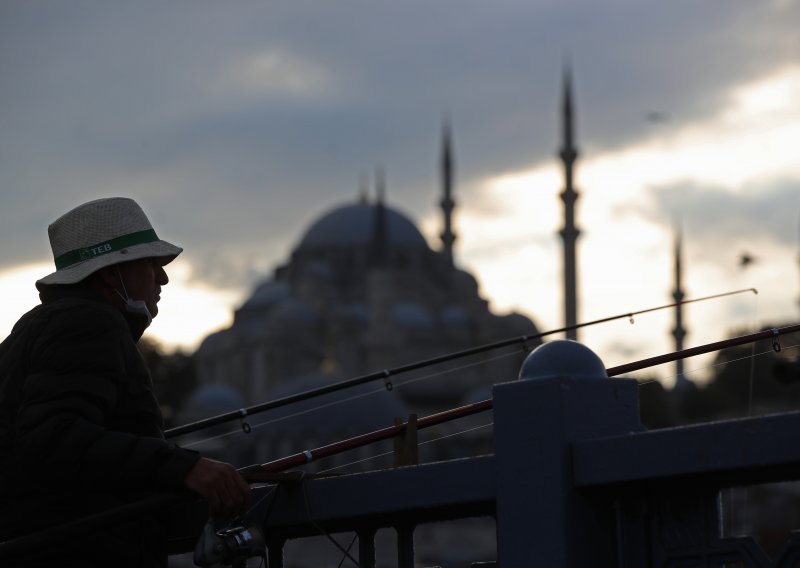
<point>570,232</point>
<point>678,332</point>
<point>380,239</point>
<point>447,203</point>
<point>363,189</point>
<point>381,342</point>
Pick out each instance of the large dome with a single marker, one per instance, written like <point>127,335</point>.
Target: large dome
<point>351,225</point>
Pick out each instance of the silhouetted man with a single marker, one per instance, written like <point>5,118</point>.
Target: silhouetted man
<point>80,427</point>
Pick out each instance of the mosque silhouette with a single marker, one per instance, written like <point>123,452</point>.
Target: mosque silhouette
<point>362,291</point>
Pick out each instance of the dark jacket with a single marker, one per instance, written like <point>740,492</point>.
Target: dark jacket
<point>81,430</point>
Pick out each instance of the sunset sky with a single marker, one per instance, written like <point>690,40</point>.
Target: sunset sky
<point>236,124</point>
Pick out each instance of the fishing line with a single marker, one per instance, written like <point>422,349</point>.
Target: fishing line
<point>349,399</point>
<point>356,462</point>
<point>751,380</point>
<point>445,436</point>
<point>432,375</point>
<point>755,325</point>
<point>737,508</point>
<point>745,493</point>
<point>352,542</point>
<point>384,454</point>
<point>721,364</point>
<point>323,531</point>
<point>181,430</point>
<point>386,373</point>
<point>454,369</point>
<point>280,419</point>
<point>257,503</point>
<point>373,457</point>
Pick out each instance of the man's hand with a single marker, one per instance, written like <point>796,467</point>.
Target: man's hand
<point>226,492</point>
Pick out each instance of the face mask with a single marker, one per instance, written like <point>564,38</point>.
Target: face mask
<point>136,307</point>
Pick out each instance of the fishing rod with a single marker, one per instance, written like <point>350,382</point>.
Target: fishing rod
<point>242,413</point>
<point>772,334</point>
<point>255,473</point>
<point>270,472</point>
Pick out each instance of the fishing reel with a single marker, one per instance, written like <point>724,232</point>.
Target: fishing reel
<point>230,546</point>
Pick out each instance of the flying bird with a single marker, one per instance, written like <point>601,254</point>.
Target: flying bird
<point>746,259</point>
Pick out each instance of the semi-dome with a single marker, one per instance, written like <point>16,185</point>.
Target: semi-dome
<point>291,314</point>
<point>267,294</point>
<point>351,225</point>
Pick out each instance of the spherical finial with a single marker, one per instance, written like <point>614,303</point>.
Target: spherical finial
<point>562,358</point>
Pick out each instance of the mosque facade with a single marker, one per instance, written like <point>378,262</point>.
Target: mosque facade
<point>362,291</point>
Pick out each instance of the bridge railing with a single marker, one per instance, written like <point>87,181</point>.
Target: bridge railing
<point>575,481</point>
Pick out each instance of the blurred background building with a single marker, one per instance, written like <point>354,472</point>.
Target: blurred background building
<point>362,291</point>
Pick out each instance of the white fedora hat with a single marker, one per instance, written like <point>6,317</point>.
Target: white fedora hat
<point>102,233</point>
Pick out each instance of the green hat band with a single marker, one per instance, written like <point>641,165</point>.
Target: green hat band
<point>119,243</point>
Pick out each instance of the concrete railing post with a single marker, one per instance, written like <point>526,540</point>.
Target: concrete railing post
<point>563,395</point>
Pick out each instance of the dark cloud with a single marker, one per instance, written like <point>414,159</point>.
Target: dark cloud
<point>719,223</point>
<point>144,97</point>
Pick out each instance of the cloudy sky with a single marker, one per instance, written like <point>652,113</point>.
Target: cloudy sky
<point>236,124</point>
